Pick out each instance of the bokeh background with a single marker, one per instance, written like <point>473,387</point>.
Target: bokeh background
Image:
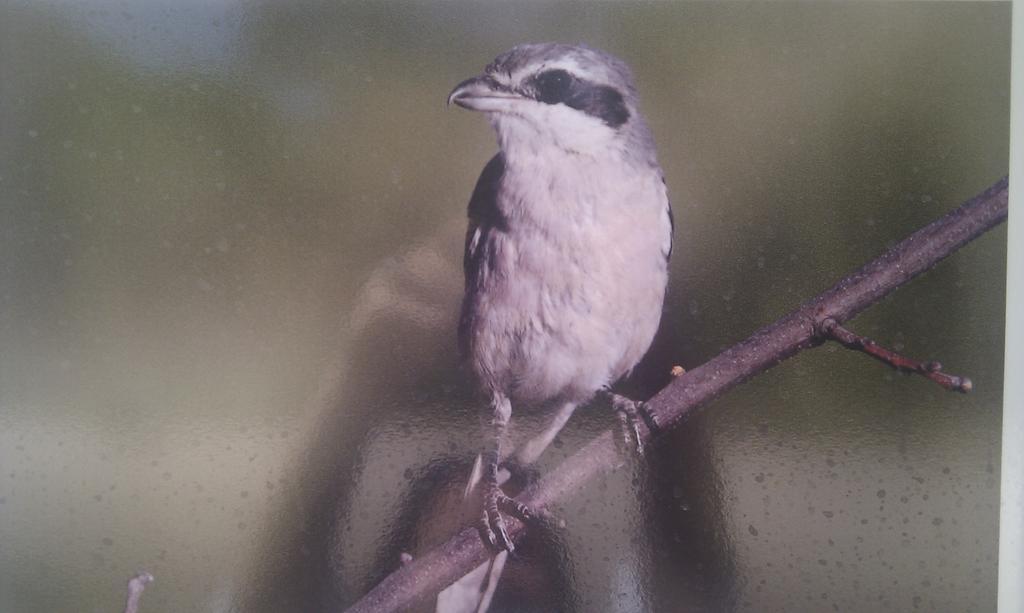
<point>231,233</point>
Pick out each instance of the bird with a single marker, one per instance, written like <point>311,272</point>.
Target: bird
<point>566,255</point>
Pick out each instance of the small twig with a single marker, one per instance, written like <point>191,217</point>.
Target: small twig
<point>136,585</point>
<point>830,328</point>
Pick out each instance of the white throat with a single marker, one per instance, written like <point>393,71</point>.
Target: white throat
<point>541,128</point>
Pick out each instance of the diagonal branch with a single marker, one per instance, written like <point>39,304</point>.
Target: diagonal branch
<point>799,330</point>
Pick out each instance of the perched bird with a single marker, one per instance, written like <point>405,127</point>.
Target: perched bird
<point>566,254</point>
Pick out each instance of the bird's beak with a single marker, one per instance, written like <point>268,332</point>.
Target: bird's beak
<point>483,94</point>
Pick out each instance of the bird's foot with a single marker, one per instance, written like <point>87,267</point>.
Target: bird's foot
<point>492,522</point>
<point>630,415</point>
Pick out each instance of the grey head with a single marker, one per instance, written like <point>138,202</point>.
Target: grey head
<point>575,97</point>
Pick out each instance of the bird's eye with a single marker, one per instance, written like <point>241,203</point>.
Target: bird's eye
<point>553,86</point>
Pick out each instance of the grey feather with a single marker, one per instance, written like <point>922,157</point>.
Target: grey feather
<point>569,233</point>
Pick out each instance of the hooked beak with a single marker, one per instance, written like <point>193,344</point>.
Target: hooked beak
<point>483,93</point>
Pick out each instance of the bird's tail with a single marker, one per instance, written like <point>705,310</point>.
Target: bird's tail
<point>475,477</point>
<point>473,592</point>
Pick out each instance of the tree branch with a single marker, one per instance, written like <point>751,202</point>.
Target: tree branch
<point>803,328</point>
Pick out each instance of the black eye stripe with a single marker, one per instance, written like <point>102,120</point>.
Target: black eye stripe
<point>602,101</point>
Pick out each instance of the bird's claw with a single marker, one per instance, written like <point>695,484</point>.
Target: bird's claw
<point>494,531</point>
<point>629,419</point>
<point>492,522</point>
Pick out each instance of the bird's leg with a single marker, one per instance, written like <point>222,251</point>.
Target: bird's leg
<point>495,501</point>
<point>630,413</point>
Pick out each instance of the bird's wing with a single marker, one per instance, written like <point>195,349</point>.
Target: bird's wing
<point>484,214</point>
<point>484,218</point>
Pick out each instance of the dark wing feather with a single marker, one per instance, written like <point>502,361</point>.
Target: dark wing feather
<point>484,218</point>
<point>671,226</point>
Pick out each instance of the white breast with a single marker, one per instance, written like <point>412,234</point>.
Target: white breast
<point>575,292</point>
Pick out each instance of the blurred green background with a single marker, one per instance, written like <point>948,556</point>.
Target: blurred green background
<point>231,237</point>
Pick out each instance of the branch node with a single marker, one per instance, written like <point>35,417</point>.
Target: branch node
<point>824,328</point>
